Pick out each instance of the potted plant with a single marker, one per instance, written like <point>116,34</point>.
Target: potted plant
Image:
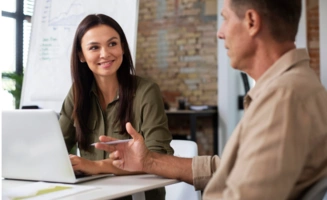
<point>16,88</point>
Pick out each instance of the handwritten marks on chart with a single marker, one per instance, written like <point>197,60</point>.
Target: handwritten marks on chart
<point>48,49</point>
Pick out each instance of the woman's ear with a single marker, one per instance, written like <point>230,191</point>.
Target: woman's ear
<point>81,57</point>
<point>123,47</point>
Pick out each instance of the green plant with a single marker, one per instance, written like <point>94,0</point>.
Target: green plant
<point>15,88</point>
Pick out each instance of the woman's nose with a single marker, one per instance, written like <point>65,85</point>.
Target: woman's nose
<point>105,52</point>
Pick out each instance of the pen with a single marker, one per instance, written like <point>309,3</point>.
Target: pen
<point>113,142</point>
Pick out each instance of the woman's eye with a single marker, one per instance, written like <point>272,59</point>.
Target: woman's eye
<point>111,44</point>
<point>93,48</point>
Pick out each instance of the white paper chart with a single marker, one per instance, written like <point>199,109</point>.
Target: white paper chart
<point>47,76</point>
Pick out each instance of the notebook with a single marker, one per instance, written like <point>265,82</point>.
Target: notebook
<point>33,148</point>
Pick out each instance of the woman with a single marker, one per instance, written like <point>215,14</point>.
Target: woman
<point>105,95</point>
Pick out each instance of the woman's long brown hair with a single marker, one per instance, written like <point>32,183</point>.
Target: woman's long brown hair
<point>83,79</point>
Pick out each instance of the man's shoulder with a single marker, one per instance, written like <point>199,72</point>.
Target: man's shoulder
<point>301,81</point>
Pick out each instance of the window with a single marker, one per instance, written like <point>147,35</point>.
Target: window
<point>9,6</point>
<point>27,25</point>
<point>8,60</point>
<point>16,17</point>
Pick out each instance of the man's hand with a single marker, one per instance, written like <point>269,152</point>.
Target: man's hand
<point>135,157</point>
<point>131,156</point>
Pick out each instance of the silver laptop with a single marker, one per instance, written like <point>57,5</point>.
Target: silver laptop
<point>33,148</point>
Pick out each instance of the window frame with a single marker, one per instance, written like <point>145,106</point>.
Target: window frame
<point>19,16</point>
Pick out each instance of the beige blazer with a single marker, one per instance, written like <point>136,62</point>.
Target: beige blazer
<point>279,148</point>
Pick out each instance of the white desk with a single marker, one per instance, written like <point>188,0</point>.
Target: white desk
<point>111,187</point>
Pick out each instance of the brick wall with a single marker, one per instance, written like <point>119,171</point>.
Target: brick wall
<point>180,128</point>
<point>313,34</point>
<point>177,48</point>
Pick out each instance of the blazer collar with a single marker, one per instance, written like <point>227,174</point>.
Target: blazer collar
<point>283,64</point>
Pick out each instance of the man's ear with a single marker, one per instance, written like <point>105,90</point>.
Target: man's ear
<point>81,57</point>
<point>253,22</point>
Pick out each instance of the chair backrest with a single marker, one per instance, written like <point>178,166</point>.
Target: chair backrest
<point>184,148</point>
<point>178,191</point>
<point>318,191</point>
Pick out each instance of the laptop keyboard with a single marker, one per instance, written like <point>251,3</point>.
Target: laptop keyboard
<point>80,174</point>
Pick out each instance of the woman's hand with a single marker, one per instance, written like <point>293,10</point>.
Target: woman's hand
<point>83,165</point>
<point>89,167</point>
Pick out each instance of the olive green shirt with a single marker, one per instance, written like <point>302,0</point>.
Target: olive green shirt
<point>149,120</point>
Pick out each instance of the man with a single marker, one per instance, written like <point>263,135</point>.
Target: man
<point>278,149</point>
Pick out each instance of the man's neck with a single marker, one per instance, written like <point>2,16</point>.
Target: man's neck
<point>266,56</point>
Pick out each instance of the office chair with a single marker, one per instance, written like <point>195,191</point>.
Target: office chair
<point>318,191</point>
<point>178,191</point>
<point>246,85</point>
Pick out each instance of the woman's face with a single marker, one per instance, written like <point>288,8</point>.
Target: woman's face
<point>102,51</point>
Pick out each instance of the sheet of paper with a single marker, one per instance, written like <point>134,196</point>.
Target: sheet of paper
<point>42,190</point>
<point>203,107</point>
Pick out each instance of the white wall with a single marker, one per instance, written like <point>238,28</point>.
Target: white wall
<point>323,41</point>
<point>228,90</point>
<point>301,37</point>
<point>229,81</point>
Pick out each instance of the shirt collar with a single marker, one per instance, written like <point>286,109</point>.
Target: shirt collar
<point>94,90</point>
<point>284,63</point>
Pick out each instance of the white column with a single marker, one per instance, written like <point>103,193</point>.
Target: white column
<point>228,90</point>
<point>301,37</point>
<point>323,41</point>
